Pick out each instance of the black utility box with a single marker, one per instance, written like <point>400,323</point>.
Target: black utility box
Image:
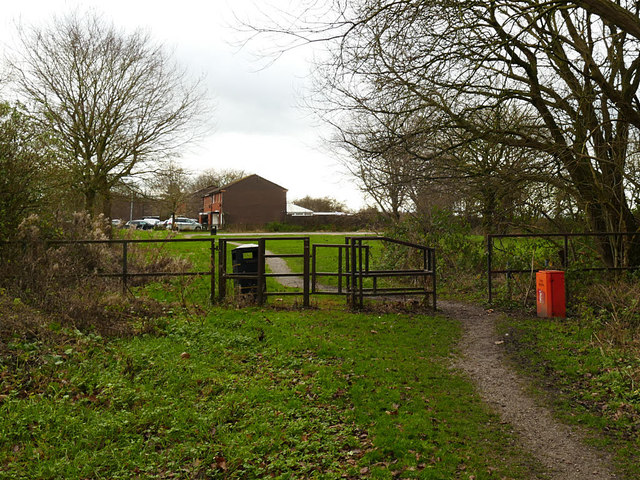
<point>245,260</point>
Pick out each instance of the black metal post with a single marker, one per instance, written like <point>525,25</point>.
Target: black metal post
<point>124,266</point>
<point>305,286</point>
<point>360,276</point>
<point>339,269</point>
<point>222,269</point>
<point>366,258</point>
<point>433,263</point>
<point>314,252</point>
<point>352,275</point>
<point>261,278</point>
<point>489,266</point>
<point>212,296</point>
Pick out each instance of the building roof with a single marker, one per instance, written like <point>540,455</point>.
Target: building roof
<point>298,211</point>
<point>243,179</point>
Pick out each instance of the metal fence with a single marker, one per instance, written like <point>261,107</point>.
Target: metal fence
<point>565,244</point>
<point>123,272</point>
<point>259,277</point>
<point>356,279</point>
<point>354,269</point>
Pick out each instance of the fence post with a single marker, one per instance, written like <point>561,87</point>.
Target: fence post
<point>348,265</point>
<point>261,279</point>
<point>352,275</point>
<point>566,266</point>
<point>489,266</point>
<point>360,276</point>
<point>212,296</point>
<point>433,264</point>
<point>314,252</point>
<point>305,285</point>
<point>124,266</point>
<point>339,269</point>
<point>222,269</point>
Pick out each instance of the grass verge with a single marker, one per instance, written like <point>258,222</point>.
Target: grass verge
<point>589,382</point>
<point>252,394</point>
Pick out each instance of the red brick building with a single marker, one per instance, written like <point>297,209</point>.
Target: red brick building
<point>250,201</point>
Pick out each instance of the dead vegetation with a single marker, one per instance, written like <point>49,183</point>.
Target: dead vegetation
<point>49,287</point>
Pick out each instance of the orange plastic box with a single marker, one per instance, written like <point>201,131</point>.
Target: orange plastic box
<point>550,294</point>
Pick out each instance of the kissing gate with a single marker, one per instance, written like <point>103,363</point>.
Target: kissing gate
<point>348,269</point>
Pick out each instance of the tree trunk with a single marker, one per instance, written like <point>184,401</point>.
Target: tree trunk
<point>615,216</point>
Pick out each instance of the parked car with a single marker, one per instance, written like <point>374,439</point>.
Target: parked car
<point>183,223</point>
<point>138,225</point>
<point>152,220</point>
<point>116,222</point>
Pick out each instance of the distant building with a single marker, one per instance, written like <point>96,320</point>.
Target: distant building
<point>298,211</point>
<point>132,206</point>
<point>250,201</point>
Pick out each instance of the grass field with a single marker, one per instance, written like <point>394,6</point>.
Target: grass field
<point>251,394</point>
<point>209,392</point>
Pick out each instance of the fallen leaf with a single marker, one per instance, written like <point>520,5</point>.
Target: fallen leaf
<point>185,355</point>
<point>374,331</point>
<point>221,463</point>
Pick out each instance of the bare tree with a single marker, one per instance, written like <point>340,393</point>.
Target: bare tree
<point>572,73</point>
<point>625,17</point>
<point>115,101</point>
<point>212,178</point>
<point>171,184</point>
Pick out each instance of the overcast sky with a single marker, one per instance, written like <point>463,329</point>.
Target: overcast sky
<point>259,127</point>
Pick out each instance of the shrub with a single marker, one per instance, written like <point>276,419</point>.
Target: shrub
<point>44,272</point>
<point>460,255</point>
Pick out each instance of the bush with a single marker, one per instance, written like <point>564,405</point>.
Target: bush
<point>58,279</point>
<point>615,307</point>
<point>281,227</point>
<point>461,258</point>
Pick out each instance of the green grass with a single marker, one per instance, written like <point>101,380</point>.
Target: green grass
<point>590,383</point>
<point>252,394</point>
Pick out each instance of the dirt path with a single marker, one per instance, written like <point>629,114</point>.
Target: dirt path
<point>557,446</point>
<point>279,265</point>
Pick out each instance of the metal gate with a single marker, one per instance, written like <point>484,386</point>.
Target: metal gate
<point>357,279</point>
<point>354,276</point>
